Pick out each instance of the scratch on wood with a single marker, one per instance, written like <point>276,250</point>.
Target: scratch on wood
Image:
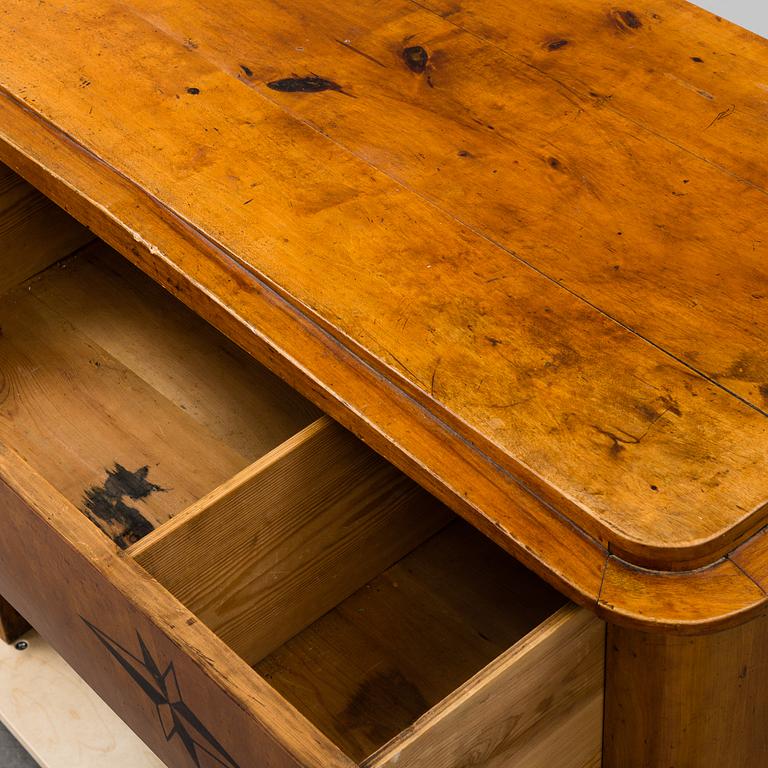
<point>348,44</point>
<point>618,441</point>
<point>723,115</point>
<point>434,376</point>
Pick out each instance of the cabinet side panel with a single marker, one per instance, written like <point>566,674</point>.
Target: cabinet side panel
<point>687,701</point>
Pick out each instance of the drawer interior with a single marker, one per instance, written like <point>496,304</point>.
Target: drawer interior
<point>399,645</point>
<point>122,398</point>
<point>356,595</point>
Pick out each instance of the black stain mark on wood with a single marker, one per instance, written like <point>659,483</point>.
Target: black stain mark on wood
<point>697,59</point>
<point>556,45</point>
<point>193,91</point>
<point>307,84</point>
<point>553,162</point>
<point>464,153</point>
<point>105,505</point>
<point>416,59</point>
<point>365,55</point>
<point>630,19</point>
<point>723,115</point>
<point>246,70</point>
<point>626,20</point>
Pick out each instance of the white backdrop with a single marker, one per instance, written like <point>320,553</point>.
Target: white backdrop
<point>752,14</point>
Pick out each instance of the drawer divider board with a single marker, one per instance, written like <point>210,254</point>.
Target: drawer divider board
<point>289,538</point>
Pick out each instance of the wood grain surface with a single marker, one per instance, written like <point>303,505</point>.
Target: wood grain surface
<point>34,233</point>
<point>289,538</point>
<point>687,701</point>
<point>527,310</point>
<point>124,400</point>
<point>538,704</point>
<point>403,642</point>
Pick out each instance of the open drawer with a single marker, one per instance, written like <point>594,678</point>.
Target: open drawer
<point>241,579</point>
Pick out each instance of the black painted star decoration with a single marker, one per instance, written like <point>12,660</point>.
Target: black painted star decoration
<point>162,687</point>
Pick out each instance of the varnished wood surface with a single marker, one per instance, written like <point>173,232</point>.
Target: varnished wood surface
<point>617,428</point>
<point>687,701</point>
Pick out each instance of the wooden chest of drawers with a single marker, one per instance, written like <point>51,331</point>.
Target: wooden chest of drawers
<point>385,385</point>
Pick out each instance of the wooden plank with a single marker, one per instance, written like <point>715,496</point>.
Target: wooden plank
<point>124,445</point>
<point>628,426</point>
<point>687,700</point>
<point>12,624</point>
<point>237,400</point>
<point>541,703</point>
<point>369,668</point>
<point>34,233</point>
<point>497,110</point>
<point>58,719</point>
<point>290,537</point>
<point>150,660</point>
<point>684,602</point>
<point>113,445</point>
